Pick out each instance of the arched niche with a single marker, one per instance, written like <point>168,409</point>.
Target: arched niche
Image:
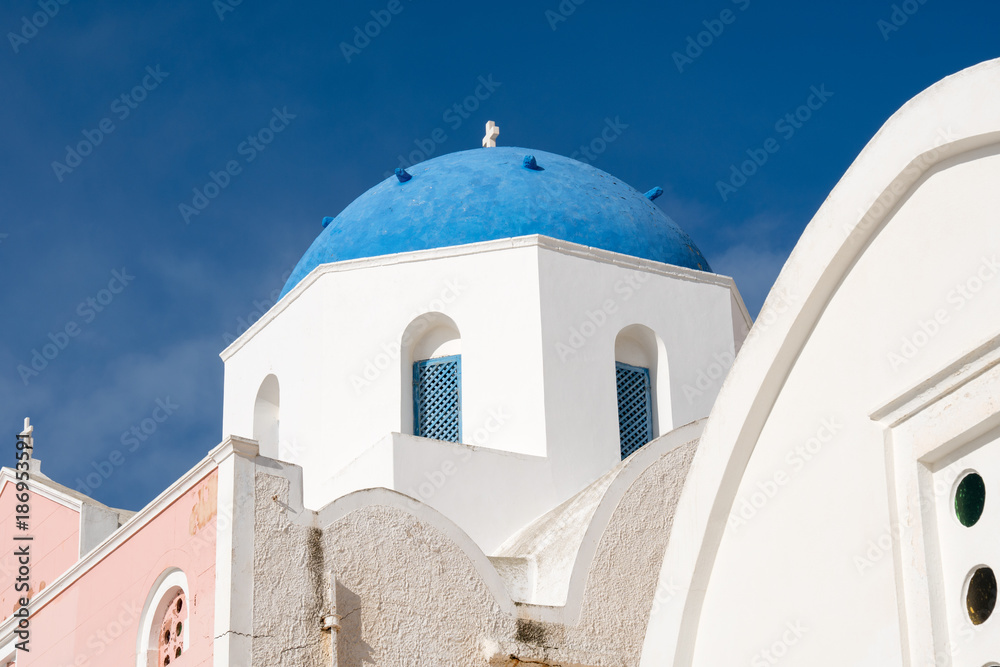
<point>428,336</point>
<point>639,346</point>
<point>266,414</point>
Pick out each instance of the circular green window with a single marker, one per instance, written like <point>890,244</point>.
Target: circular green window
<point>970,498</point>
<point>982,595</point>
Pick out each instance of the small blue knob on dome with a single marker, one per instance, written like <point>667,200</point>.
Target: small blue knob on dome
<point>326,221</point>
<point>654,193</point>
<point>402,175</point>
<point>530,163</point>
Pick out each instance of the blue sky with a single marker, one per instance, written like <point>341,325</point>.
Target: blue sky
<point>98,244</point>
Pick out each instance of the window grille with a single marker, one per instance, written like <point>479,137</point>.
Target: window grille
<point>437,398</point>
<point>635,407</point>
<point>171,642</point>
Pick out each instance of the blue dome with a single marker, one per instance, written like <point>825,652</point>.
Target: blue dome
<point>487,194</point>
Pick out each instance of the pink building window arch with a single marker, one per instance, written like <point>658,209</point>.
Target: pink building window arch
<point>163,628</point>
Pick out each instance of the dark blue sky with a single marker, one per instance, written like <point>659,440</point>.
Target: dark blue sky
<point>559,73</point>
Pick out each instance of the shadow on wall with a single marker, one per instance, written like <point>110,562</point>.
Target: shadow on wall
<point>352,651</point>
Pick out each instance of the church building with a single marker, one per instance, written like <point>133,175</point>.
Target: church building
<point>505,413</point>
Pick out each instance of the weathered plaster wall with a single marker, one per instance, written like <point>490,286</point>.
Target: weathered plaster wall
<point>621,582</point>
<point>409,594</point>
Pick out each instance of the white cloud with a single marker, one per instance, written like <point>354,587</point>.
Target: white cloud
<point>754,268</point>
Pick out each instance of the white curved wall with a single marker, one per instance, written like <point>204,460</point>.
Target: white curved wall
<point>814,497</point>
<point>809,509</point>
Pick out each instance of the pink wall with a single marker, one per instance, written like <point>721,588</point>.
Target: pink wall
<point>95,622</point>
<point>56,529</point>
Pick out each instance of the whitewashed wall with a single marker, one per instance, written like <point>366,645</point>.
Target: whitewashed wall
<point>538,320</point>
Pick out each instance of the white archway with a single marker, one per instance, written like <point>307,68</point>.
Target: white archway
<point>638,345</point>
<point>266,413</point>
<point>428,336</point>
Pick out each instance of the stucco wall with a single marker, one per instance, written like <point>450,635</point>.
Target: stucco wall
<point>410,595</point>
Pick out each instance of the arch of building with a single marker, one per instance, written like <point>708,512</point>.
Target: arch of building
<point>428,336</point>
<point>866,329</point>
<point>170,586</point>
<point>638,345</point>
<point>266,416</point>
<point>608,543</point>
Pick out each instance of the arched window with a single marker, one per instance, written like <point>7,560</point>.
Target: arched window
<point>171,642</point>
<point>265,417</point>
<point>163,628</point>
<point>635,407</point>
<point>642,387</point>
<point>434,358</point>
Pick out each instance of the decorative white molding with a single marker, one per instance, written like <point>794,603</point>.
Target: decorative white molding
<point>923,428</point>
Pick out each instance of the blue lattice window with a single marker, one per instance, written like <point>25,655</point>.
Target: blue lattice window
<point>635,407</point>
<point>437,398</point>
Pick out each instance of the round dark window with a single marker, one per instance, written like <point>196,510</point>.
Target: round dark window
<point>970,499</point>
<point>982,595</point>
